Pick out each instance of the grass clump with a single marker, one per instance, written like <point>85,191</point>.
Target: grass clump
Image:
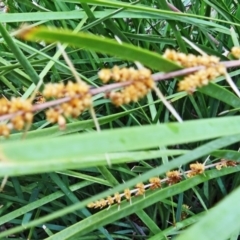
<point>119,120</point>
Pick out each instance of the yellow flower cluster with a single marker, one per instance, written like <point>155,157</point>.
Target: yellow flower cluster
<point>140,189</point>
<point>155,183</point>
<point>226,163</point>
<point>172,177</point>
<point>140,86</point>
<point>200,78</point>
<point>190,60</point>
<point>24,116</point>
<point>236,52</point>
<point>196,169</point>
<point>80,99</point>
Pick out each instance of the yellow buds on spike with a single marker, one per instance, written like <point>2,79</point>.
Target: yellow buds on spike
<point>117,197</point>
<point>155,183</point>
<point>226,163</point>
<point>196,169</point>
<point>200,78</point>
<point>173,177</point>
<point>23,109</point>
<point>236,52</point>
<point>190,60</point>
<point>127,194</point>
<point>140,86</point>
<point>4,130</point>
<point>140,189</point>
<point>80,100</point>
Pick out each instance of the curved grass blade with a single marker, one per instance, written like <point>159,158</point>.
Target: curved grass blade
<point>179,225</point>
<point>227,154</point>
<point>19,55</point>
<point>100,44</point>
<point>118,140</point>
<point>70,128</point>
<point>221,94</point>
<point>14,168</point>
<point>220,222</point>
<point>168,15</point>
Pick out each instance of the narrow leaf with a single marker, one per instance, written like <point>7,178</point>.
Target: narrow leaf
<point>100,44</point>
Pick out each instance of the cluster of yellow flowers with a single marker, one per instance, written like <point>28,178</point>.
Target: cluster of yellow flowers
<point>199,78</point>
<point>196,169</point>
<point>140,189</point>
<point>23,110</point>
<point>190,60</point>
<point>236,52</point>
<point>226,163</point>
<point>141,83</point>
<point>80,99</point>
<point>172,177</point>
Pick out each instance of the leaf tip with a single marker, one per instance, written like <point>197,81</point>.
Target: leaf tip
<point>26,32</point>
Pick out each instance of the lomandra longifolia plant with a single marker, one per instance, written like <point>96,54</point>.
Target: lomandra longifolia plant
<point>158,194</point>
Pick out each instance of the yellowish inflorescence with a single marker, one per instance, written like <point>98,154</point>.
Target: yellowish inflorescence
<point>172,177</point>
<point>138,82</point>
<point>141,83</point>
<point>80,99</point>
<point>23,110</point>
<point>236,52</point>
<point>196,169</point>
<point>226,163</point>
<point>200,78</point>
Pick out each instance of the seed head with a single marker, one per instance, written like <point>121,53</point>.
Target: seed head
<point>173,177</point>
<point>127,194</point>
<point>236,52</point>
<point>156,183</point>
<point>196,169</point>
<point>141,84</point>
<point>140,189</point>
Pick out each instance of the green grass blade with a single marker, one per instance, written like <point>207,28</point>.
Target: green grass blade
<point>221,94</point>
<point>19,55</point>
<point>119,140</point>
<point>226,215</point>
<point>183,17</point>
<point>14,168</point>
<point>103,45</point>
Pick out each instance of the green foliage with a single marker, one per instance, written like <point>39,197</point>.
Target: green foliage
<point>49,176</point>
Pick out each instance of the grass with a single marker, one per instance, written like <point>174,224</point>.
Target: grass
<point>49,176</point>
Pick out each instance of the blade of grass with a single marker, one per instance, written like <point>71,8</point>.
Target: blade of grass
<point>19,55</point>
<point>225,225</point>
<point>100,44</point>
